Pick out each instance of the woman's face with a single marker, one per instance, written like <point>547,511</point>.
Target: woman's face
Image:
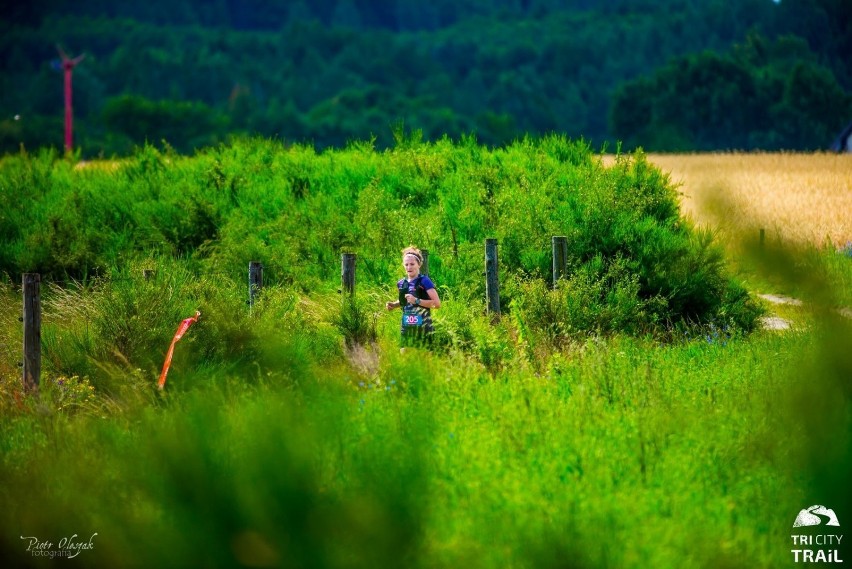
<point>412,267</point>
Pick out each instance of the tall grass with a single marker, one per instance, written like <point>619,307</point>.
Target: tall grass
<point>615,454</point>
<point>624,418</point>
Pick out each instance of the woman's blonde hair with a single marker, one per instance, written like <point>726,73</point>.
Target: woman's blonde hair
<point>412,250</point>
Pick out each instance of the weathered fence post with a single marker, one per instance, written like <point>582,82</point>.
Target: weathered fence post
<point>560,258</point>
<point>32,330</point>
<point>255,280</point>
<point>492,284</point>
<point>424,268</point>
<point>347,272</point>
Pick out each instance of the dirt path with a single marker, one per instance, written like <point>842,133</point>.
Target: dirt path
<point>775,322</point>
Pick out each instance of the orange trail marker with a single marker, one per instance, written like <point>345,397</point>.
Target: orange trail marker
<point>184,326</point>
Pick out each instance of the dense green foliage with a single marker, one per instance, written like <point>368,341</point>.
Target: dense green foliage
<point>702,102</point>
<point>634,264</point>
<point>269,448</point>
<point>293,432</point>
<point>328,72</point>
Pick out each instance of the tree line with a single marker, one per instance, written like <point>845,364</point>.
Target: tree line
<point>665,75</point>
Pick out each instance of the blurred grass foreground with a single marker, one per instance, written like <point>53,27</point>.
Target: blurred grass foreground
<point>633,415</point>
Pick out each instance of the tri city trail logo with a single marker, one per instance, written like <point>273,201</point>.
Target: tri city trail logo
<point>817,540</point>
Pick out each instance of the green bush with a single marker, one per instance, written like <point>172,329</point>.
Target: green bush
<point>634,263</point>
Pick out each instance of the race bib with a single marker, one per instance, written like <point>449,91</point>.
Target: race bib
<point>412,320</point>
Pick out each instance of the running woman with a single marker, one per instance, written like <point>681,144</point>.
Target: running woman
<point>417,298</point>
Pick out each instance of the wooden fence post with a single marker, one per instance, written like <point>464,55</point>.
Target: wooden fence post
<point>560,258</point>
<point>255,280</point>
<point>347,272</point>
<point>32,330</point>
<point>492,284</point>
<point>424,267</point>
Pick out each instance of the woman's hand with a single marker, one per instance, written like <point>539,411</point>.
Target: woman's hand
<point>410,298</point>
<point>390,305</point>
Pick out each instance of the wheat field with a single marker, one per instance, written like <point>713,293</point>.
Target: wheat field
<point>803,198</point>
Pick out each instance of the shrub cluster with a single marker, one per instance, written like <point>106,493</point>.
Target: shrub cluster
<point>634,264</point>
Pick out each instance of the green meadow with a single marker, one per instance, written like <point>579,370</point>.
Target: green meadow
<point>634,414</point>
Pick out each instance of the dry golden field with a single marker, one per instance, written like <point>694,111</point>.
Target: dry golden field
<point>804,198</point>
